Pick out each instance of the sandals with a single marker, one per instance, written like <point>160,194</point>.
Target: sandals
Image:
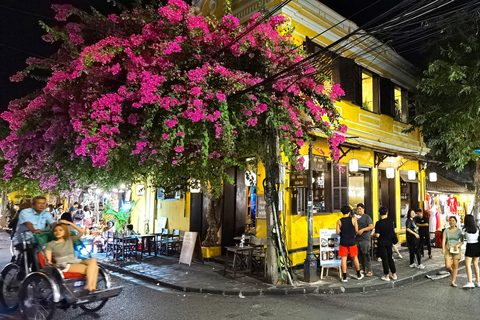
<point>453,285</point>
<point>369,274</point>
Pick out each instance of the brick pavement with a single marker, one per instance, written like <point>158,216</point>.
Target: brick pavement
<point>208,277</point>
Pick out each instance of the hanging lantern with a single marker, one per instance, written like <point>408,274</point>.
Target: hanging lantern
<point>390,172</point>
<point>412,174</point>
<point>432,176</point>
<point>353,165</point>
<point>250,179</point>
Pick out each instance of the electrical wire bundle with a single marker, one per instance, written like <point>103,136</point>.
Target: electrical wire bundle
<point>404,25</point>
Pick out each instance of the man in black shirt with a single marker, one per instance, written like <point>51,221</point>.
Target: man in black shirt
<point>421,221</point>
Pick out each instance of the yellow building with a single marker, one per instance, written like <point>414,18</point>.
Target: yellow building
<point>375,109</point>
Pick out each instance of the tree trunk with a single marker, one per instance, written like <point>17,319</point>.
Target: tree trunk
<point>477,189</point>
<point>214,216</point>
<point>271,253</point>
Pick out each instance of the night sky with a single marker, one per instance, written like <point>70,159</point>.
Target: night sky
<point>20,34</point>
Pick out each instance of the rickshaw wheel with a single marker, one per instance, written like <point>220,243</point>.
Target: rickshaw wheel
<point>36,298</point>
<point>97,305</point>
<point>9,287</point>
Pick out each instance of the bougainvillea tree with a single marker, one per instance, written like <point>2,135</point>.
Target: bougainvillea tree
<point>156,93</point>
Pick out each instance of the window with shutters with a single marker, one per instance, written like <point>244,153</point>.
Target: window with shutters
<point>321,189</point>
<point>367,91</point>
<point>339,187</point>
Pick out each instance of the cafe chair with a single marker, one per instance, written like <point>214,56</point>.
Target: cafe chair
<point>259,254</point>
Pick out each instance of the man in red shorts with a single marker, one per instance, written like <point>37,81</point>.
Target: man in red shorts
<point>347,228</point>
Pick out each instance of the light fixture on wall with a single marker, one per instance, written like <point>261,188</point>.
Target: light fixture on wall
<point>412,174</point>
<point>390,172</point>
<point>194,189</point>
<point>250,179</point>
<point>353,165</point>
<point>432,177</point>
<point>305,161</point>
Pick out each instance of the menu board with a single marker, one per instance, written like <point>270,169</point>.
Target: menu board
<point>329,246</point>
<point>190,248</point>
<point>298,179</point>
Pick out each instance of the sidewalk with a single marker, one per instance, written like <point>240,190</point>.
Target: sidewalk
<point>208,277</point>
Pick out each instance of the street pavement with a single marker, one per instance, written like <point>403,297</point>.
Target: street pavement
<point>422,299</point>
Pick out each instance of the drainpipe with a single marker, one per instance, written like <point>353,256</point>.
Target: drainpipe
<point>310,264</point>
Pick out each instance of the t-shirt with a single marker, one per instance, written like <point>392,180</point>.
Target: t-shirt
<point>38,220</point>
<point>410,224</point>
<point>385,228</point>
<point>347,232</point>
<point>364,221</point>
<point>471,237</point>
<point>63,252</point>
<point>453,238</point>
<point>422,230</point>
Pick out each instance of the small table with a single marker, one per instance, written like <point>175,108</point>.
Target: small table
<point>244,256</point>
<point>149,244</point>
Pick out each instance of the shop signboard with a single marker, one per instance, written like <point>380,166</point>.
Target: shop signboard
<point>329,246</point>
<point>319,163</point>
<point>298,179</point>
<point>261,213</point>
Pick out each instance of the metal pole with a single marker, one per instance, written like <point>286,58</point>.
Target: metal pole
<point>310,264</point>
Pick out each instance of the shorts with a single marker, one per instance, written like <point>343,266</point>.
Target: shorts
<point>473,250</point>
<point>64,267</point>
<point>449,255</point>
<point>344,251</point>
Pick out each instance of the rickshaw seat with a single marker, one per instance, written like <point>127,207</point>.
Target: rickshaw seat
<point>66,275</point>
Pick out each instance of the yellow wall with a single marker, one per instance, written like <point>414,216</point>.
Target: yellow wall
<point>176,212</point>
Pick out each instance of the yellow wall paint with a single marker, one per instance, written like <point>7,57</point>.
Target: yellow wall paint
<point>176,212</point>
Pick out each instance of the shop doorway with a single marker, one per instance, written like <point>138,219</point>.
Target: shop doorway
<point>386,194</point>
<point>360,189</point>
<point>409,197</point>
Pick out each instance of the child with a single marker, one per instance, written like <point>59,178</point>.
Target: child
<point>347,228</point>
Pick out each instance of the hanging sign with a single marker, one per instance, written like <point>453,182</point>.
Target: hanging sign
<point>329,246</point>
<point>298,179</point>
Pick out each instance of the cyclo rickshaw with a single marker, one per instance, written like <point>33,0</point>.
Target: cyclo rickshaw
<point>40,293</point>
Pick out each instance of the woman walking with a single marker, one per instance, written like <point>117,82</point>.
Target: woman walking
<point>384,231</point>
<point>472,252</point>
<point>452,240</point>
<point>413,241</point>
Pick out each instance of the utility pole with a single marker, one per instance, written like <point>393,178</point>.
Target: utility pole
<point>310,264</point>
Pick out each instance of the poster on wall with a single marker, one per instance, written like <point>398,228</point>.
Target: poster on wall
<point>329,245</point>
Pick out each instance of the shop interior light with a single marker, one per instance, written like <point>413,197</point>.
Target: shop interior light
<point>353,165</point>
<point>390,172</point>
<point>250,179</point>
<point>412,174</point>
<point>432,176</point>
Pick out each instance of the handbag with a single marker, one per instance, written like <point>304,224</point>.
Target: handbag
<point>452,249</point>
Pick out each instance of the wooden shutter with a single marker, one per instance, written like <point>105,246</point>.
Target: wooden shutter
<point>411,106</point>
<point>387,100</point>
<point>349,76</point>
<point>339,187</point>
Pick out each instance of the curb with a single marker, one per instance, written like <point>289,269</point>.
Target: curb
<point>283,290</point>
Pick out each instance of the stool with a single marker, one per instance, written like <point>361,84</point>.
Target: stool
<point>327,268</point>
